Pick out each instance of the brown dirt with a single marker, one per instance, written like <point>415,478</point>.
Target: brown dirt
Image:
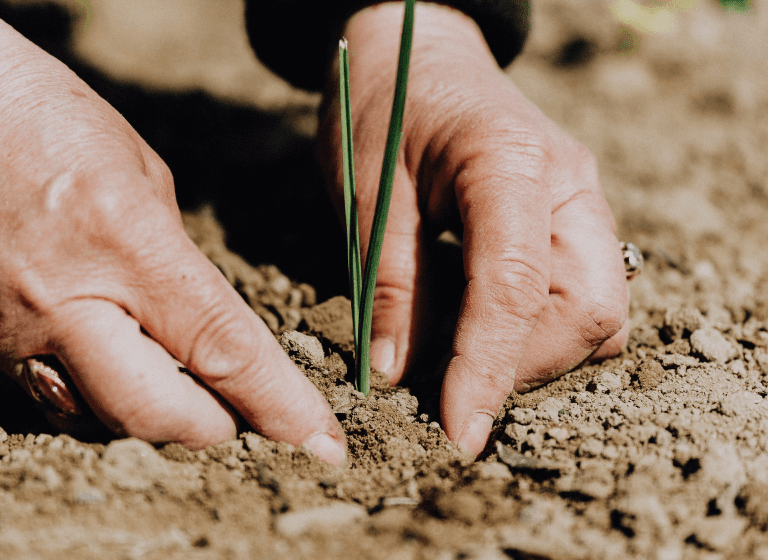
<point>661,453</point>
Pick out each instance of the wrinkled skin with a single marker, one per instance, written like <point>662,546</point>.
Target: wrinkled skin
<point>95,266</point>
<point>92,249</point>
<point>546,286</point>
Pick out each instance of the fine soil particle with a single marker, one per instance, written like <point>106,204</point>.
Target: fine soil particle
<point>659,453</point>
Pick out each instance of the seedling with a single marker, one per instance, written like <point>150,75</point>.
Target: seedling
<point>362,287</point>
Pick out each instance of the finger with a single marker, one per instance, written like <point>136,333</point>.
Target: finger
<point>588,298</point>
<point>398,300</point>
<point>199,318</point>
<point>130,381</point>
<point>506,258</point>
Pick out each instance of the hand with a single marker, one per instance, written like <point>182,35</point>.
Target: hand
<point>545,281</point>
<point>92,251</point>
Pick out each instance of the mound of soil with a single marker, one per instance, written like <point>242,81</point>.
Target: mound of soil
<point>661,453</point>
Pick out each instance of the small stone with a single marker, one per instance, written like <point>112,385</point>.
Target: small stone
<point>738,368</point>
<point>303,349</point>
<point>719,533</point>
<point>3,435</point>
<point>395,501</point>
<point>611,452</point>
<point>295,297</point>
<point>497,471</point>
<point>519,462</point>
<point>549,409</point>
<point>680,323</point>
<point>523,416</point>
<point>649,374</point>
<point>291,318</point>
<point>721,466</point>
<point>558,434</point>
<point>281,285</point>
<point>595,482</point>
<point>711,344</point>
<point>591,448</point>
<point>42,439</point>
<point>642,512</point>
<point>332,322</point>
<point>132,464</point>
<point>609,381</point>
<point>49,477</point>
<point>89,496</point>
<point>309,297</point>
<point>321,518</point>
<point>740,403</point>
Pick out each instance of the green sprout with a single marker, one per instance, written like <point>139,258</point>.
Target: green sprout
<point>362,287</point>
<point>735,5</point>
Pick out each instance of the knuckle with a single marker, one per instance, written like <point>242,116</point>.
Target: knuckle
<point>393,294</point>
<point>105,213</point>
<point>519,289</point>
<point>584,155</point>
<point>586,163</point>
<point>601,317</point>
<point>532,153</point>
<point>225,345</point>
<point>158,171</point>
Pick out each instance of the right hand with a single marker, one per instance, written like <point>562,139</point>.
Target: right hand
<point>92,251</point>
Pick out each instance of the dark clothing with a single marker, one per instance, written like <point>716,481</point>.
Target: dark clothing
<point>298,38</point>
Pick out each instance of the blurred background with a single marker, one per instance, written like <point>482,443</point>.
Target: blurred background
<point>234,135</point>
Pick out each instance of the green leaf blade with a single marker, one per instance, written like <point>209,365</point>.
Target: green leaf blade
<point>386,183</point>
<point>350,195</point>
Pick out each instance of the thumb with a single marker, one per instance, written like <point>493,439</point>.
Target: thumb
<point>193,312</point>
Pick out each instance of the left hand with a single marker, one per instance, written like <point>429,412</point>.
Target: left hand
<point>546,285</point>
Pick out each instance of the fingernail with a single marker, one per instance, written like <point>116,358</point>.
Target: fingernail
<point>327,449</point>
<point>383,354</point>
<point>475,433</point>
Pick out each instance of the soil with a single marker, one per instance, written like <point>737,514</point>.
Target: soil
<point>660,453</point>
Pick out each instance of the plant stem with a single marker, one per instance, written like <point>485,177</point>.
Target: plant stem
<point>350,196</point>
<point>382,202</point>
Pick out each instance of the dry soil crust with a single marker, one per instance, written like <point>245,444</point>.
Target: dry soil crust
<point>660,453</point>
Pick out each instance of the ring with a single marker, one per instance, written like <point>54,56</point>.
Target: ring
<point>633,259</point>
<point>46,381</point>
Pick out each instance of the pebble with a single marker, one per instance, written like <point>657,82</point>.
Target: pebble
<point>558,434</point>
<point>132,464</point>
<point>643,512</point>
<point>523,416</point>
<point>711,344</point>
<point>295,523</point>
<point>594,482</point>
<point>280,285</point>
<point>89,496</point>
<point>591,448</point>
<point>738,368</point>
<point>497,471</point>
<point>302,348</point>
<point>719,533</point>
<point>679,323</point>
<point>721,466</point>
<point>609,381</point>
<point>740,403</point>
<point>549,409</point>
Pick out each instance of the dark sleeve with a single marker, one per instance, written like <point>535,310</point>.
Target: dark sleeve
<point>298,38</point>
